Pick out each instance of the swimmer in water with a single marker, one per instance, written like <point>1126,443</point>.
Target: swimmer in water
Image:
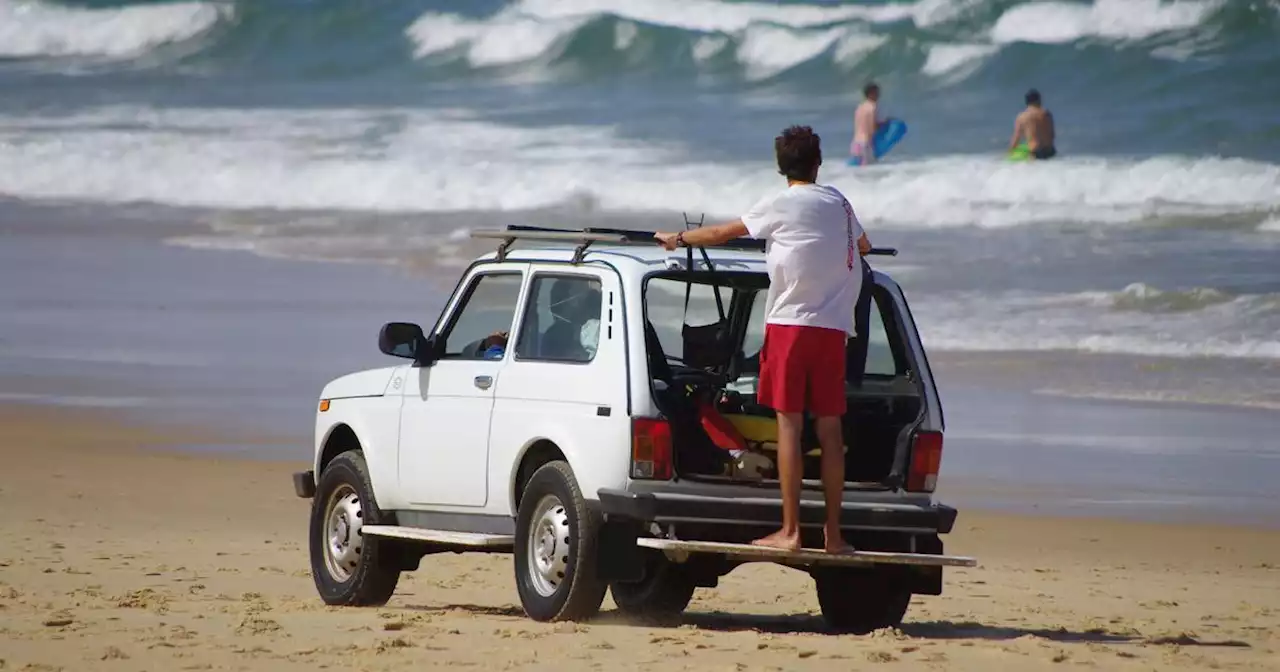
<point>1035,126</point>
<point>866,121</point>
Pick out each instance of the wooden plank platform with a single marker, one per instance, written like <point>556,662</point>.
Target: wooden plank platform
<point>468,539</point>
<point>807,556</point>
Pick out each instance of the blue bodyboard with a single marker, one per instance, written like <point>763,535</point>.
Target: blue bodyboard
<point>884,139</point>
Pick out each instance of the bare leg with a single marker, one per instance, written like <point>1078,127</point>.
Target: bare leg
<point>831,437</point>
<point>789,468</point>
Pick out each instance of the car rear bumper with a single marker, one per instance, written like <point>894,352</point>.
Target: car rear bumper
<point>702,510</point>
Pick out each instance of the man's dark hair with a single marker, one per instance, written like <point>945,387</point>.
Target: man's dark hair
<point>870,88</point>
<point>1033,97</point>
<point>799,152</point>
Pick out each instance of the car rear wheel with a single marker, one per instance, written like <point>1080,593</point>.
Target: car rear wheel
<point>345,564</point>
<point>861,600</point>
<point>555,548</point>
<point>663,594</point>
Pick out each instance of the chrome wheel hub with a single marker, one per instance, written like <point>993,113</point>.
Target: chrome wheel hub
<point>548,546</point>
<point>345,540</point>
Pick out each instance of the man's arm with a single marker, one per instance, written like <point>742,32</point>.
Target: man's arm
<point>875,116</point>
<point>704,236</point>
<point>1017,133</point>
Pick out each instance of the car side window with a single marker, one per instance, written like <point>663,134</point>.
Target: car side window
<point>561,319</point>
<point>481,324</point>
<point>880,357</point>
<point>665,306</point>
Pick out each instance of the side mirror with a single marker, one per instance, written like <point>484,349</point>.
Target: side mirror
<point>402,339</point>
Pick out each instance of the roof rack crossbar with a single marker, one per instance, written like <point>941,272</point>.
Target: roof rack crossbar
<point>586,236</point>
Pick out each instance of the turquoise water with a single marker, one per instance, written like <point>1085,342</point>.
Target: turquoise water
<point>386,130</point>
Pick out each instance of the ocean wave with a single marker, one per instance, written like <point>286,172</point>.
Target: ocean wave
<point>1064,22</point>
<point>764,41</point>
<point>34,29</point>
<point>1143,297</point>
<point>407,160</point>
<point>1098,322</point>
<point>955,61</point>
<point>507,38</point>
<point>769,39</point>
<point>945,40</point>
<point>989,193</point>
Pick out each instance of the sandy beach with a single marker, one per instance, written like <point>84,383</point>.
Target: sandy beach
<point>208,209</point>
<point>123,554</point>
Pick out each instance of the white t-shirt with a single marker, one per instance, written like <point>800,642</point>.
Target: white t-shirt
<point>815,271</point>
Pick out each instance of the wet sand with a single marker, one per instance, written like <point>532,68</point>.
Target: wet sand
<point>124,554</point>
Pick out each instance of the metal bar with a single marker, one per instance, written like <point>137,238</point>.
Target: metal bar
<point>619,237</point>
<point>439,536</point>
<point>805,555</point>
<point>560,236</point>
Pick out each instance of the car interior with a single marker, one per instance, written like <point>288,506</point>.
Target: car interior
<point>704,331</point>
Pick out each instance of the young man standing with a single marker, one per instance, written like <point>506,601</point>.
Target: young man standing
<point>813,250</point>
<point>866,121</point>
<point>1035,125</point>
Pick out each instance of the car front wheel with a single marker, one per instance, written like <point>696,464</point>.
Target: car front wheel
<point>555,554</point>
<point>345,564</point>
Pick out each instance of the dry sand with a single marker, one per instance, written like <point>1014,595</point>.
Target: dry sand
<point>117,555</point>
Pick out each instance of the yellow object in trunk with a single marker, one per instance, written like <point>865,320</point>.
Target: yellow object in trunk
<point>761,433</point>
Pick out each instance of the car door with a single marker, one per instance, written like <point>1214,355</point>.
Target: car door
<point>448,405</point>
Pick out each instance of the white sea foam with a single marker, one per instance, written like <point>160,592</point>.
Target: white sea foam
<point>1245,326</point>
<point>708,46</point>
<point>769,38</point>
<point>990,193</point>
<point>33,29</point>
<point>506,38</point>
<point>956,61</point>
<point>768,50</point>
<point>1271,225</point>
<point>729,17</point>
<point>321,159</point>
<point>624,35</point>
<point>1061,22</point>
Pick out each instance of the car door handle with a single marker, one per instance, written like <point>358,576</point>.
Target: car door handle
<point>484,382</point>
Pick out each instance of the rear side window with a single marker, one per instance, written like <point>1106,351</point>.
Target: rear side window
<point>561,319</point>
<point>880,359</point>
<point>880,355</point>
<point>665,306</point>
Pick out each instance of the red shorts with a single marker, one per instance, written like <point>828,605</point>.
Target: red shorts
<point>802,369</point>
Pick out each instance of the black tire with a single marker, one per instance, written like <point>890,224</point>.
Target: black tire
<point>861,600</point>
<point>362,578</point>
<point>663,594</point>
<point>566,586</point>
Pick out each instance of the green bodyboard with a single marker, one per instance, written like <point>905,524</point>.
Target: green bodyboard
<point>1020,153</point>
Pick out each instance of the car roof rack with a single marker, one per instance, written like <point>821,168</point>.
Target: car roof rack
<point>586,236</point>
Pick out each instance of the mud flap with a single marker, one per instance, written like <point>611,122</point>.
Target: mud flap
<point>619,559</point>
<point>926,580</point>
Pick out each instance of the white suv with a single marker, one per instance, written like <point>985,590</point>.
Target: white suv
<point>559,409</point>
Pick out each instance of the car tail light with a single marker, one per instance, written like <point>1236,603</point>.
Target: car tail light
<point>926,459</point>
<point>650,449</point>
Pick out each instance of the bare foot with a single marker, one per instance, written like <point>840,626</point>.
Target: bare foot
<point>836,544</point>
<point>779,539</point>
